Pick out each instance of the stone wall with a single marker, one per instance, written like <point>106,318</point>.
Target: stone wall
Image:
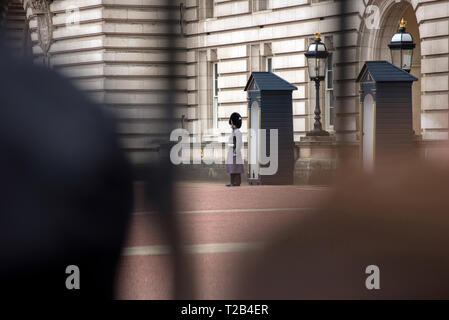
<point>13,22</point>
<point>240,40</point>
<point>116,51</point>
<point>434,30</point>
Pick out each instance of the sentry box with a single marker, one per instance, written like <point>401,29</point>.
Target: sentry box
<point>270,108</point>
<point>386,115</point>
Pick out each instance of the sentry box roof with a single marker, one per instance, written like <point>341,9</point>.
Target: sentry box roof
<point>384,71</point>
<point>268,81</point>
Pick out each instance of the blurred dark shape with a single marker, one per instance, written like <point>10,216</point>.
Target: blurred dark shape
<point>66,187</point>
<point>396,218</point>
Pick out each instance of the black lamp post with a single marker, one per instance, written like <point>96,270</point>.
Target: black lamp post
<point>401,47</point>
<point>317,55</point>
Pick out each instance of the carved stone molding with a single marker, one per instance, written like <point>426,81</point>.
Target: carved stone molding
<point>41,9</point>
<point>40,5</point>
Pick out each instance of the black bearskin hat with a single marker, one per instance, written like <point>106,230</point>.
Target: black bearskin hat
<point>236,119</point>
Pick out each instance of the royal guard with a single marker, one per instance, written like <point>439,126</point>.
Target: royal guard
<point>234,161</point>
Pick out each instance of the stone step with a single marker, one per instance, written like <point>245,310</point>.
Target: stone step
<point>15,17</point>
<point>18,39</point>
<point>16,11</point>
<point>14,23</point>
<point>14,33</point>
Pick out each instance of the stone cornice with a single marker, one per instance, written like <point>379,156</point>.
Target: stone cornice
<point>38,6</point>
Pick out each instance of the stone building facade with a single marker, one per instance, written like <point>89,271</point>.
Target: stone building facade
<point>116,50</point>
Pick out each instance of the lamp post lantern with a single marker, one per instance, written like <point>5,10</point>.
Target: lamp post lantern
<point>317,55</point>
<point>401,47</point>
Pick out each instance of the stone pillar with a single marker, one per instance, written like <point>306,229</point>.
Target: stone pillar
<point>317,160</point>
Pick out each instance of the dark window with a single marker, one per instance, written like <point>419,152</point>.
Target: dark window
<point>270,64</point>
<point>330,103</point>
<point>215,76</point>
<point>259,5</point>
<point>206,9</point>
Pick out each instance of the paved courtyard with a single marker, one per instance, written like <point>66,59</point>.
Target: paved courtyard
<point>220,226</point>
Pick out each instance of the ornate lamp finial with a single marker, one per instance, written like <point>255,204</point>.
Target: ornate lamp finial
<point>403,23</point>
<point>317,35</point>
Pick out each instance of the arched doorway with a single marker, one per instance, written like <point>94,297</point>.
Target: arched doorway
<point>376,36</point>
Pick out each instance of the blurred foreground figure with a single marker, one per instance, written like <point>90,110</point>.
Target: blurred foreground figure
<point>65,192</point>
<point>396,218</point>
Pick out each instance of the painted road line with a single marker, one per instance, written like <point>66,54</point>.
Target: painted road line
<point>228,247</point>
<point>143,213</point>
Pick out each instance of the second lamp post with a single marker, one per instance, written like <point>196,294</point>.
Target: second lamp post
<point>401,47</point>
<point>317,55</point>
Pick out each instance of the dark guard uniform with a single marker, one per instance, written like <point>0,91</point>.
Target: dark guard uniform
<point>234,161</point>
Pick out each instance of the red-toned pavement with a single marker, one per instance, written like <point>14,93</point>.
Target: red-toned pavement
<point>219,225</point>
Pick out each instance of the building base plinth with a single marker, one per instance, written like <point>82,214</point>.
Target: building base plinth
<point>317,160</point>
